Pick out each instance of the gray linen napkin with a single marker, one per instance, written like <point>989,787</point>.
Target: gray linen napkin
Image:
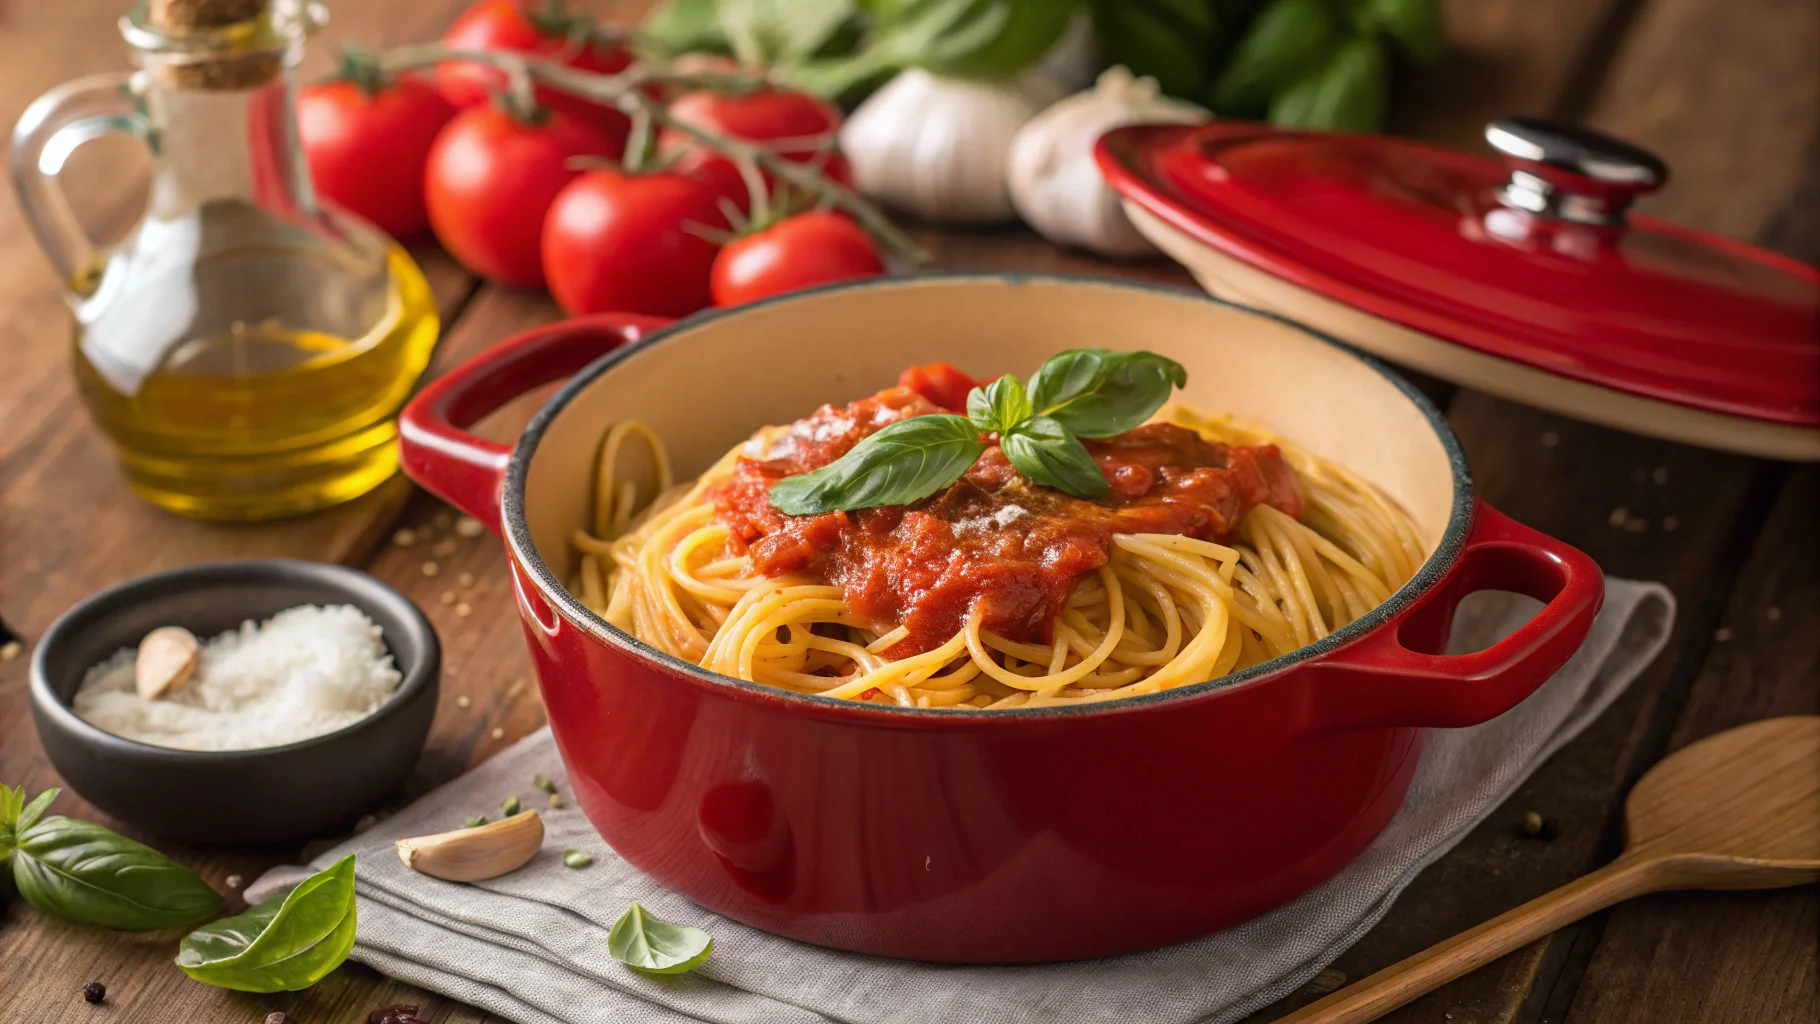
<point>532,946</point>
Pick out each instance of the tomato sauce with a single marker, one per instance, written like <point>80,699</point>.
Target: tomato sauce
<point>992,538</point>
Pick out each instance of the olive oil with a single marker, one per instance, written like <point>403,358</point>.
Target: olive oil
<point>245,346</point>
<point>257,382</point>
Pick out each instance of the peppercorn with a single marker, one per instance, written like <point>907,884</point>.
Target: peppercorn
<point>1545,829</point>
<point>94,992</point>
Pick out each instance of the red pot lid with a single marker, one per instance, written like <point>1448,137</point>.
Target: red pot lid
<point>1532,260</point>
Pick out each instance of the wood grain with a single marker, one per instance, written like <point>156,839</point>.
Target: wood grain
<point>1740,810</point>
<point>1726,93</point>
<point>1758,952</point>
<point>1502,58</point>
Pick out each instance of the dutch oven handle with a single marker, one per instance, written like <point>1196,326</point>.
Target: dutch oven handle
<point>1379,681</point>
<point>468,471</point>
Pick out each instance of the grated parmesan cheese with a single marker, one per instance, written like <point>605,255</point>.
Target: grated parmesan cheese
<point>304,672</point>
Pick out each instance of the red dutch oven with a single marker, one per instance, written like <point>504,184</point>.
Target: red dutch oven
<point>1015,836</point>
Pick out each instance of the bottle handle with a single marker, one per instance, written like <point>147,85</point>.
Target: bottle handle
<point>53,127</point>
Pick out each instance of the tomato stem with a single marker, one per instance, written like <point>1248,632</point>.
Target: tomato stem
<point>359,66</point>
<point>638,142</point>
<point>629,91</point>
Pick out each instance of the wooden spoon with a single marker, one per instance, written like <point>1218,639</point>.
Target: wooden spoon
<point>1740,810</point>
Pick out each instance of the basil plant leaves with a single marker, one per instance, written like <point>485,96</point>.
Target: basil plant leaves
<point>82,872</point>
<point>1081,393</point>
<point>907,460</point>
<point>289,942</point>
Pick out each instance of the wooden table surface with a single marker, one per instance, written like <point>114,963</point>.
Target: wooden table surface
<point>1728,91</point>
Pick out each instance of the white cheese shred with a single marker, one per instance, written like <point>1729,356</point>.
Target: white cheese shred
<point>302,673</point>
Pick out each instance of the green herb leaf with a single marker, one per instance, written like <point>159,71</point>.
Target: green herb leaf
<point>1094,392</point>
<point>512,806</point>
<point>775,31</point>
<point>286,943</point>
<point>12,801</point>
<point>998,406</point>
<point>981,39</point>
<point>1172,41</point>
<point>1021,31</point>
<point>1345,95</point>
<point>906,461</point>
<point>1046,453</point>
<point>1415,25</point>
<point>28,815</point>
<point>650,946</point>
<point>683,26</point>
<point>1288,40</point>
<point>82,872</point>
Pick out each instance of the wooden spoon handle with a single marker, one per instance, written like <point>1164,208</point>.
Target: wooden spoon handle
<point>1428,970</point>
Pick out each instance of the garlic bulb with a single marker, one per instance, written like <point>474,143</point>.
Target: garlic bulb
<point>1053,180</point>
<point>936,146</point>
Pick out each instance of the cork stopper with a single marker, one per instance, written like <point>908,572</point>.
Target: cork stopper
<point>231,66</point>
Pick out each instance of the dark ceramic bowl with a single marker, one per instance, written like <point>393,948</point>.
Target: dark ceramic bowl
<point>316,787</point>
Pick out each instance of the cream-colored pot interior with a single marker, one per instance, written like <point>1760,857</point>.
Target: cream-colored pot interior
<point>708,385</point>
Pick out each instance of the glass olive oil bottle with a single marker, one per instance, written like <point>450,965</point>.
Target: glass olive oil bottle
<point>245,348</point>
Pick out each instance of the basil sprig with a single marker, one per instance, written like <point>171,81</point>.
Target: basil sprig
<point>650,946</point>
<point>286,943</point>
<point>907,460</point>
<point>1096,393</point>
<point>1084,392</point>
<point>82,872</point>
<point>1045,452</point>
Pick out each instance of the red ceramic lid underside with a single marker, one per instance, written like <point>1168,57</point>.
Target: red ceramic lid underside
<point>1398,229</point>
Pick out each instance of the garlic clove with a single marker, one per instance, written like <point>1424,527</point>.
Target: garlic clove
<point>167,656</point>
<point>474,854</point>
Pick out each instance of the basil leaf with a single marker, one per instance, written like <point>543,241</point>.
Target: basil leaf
<point>1286,41</point>
<point>12,802</point>
<point>82,872</point>
<point>286,943</point>
<point>28,816</point>
<point>1346,95</point>
<point>1414,24</point>
<point>1094,392</point>
<point>774,31</point>
<point>682,26</point>
<point>1046,453</point>
<point>908,460</point>
<point>1175,42</point>
<point>1021,31</point>
<point>998,406</point>
<point>650,946</point>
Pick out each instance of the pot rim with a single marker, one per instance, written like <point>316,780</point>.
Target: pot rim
<point>523,551</point>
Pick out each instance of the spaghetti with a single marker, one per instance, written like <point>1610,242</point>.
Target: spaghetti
<point>1147,610</point>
